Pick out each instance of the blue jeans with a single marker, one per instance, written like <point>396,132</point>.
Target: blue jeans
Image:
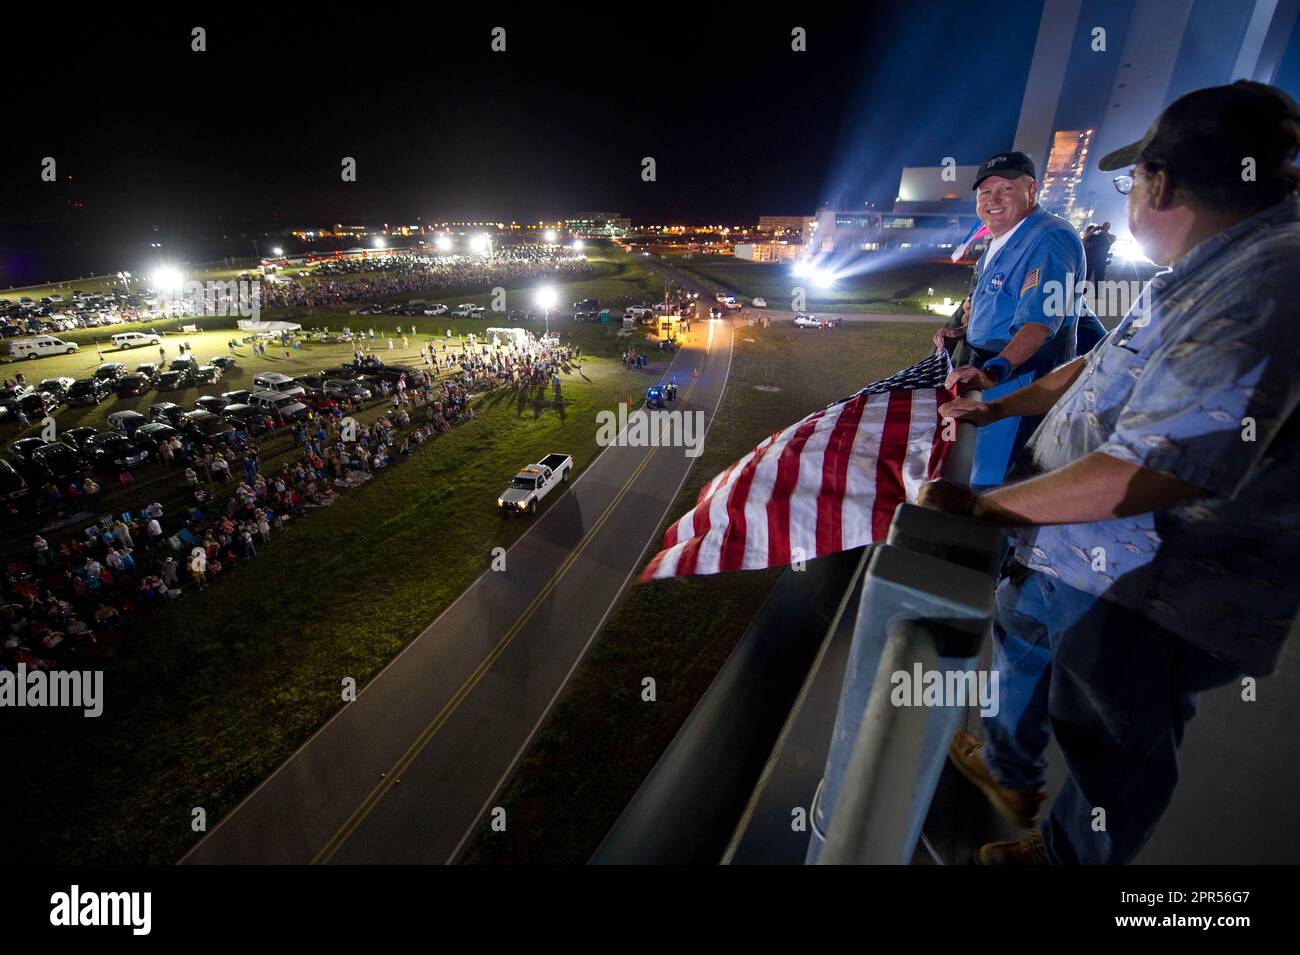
<point>1116,690</point>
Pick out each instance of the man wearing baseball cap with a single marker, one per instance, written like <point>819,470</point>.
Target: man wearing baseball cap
<point>1158,525</point>
<point>1019,327</point>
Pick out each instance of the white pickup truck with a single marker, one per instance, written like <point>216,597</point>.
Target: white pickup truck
<point>534,482</point>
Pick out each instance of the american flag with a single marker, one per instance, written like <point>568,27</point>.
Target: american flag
<point>978,231</point>
<point>831,482</point>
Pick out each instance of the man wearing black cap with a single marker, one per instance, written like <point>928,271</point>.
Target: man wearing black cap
<point>1156,503</point>
<point>1020,326</point>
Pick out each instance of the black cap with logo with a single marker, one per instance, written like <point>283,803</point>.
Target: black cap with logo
<point>1219,127</point>
<point>1010,165</point>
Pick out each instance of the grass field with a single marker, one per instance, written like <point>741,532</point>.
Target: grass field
<point>206,698</point>
<point>902,288</point>
<point>601,740</point>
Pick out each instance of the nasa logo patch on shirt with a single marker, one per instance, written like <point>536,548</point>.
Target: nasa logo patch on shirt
<point>995,283</point>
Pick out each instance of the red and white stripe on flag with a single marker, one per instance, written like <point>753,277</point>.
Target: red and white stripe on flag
<point>831,482</point>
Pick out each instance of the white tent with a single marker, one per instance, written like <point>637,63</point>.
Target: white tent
<point>508,336</point>
<point>249,325</point>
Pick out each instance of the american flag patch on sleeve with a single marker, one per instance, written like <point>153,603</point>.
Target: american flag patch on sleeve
<point>1031,279</point>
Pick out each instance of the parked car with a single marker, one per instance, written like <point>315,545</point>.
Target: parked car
<point>273,381</point>
<point>127,422</point>
<point>153,434</point>
<point>206,427</point>
<point>435,309</point>
<point>173,380</point>
<point>150,370</point>
<point>224,362</point>
<point>207,374</point>
<point>57,462</point>
<point>254,420</point>
<point>110,371</point>
<point>38,346</point>
<point>12,485</point>
<point>167,413</point>
<point>56,386</point>
<point>37,404</point>
<point>22,448</point>
<point>133,385</point>
<point>341,388</point>
<point>318,401</point>
<point>286,407</point>
<point>88,392</point>
<point>113,451</point>
<point>12,394</point>
<point>238,397</point>
<point>213,403</point>
<point>391,374</point>
<point>79,437</point>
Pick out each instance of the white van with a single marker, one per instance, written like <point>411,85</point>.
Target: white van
<point>135,339</point>
<point>39,346</point>
<point>274,381</point>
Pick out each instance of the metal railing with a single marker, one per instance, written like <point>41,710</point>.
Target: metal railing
<point>926,608</point>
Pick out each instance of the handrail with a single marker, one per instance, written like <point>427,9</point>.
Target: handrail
<point>870,823</point>
<point>961,456</point>
<point>927,601</point>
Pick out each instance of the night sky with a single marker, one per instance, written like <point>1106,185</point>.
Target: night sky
<point>254,129</point>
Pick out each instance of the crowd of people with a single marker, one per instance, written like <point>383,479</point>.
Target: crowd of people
<point>524,362</point>
<point>64,597</point>
<point>349,281</point>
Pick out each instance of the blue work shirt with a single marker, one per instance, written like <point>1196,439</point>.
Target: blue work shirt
<point>1197,381</point>
<point>1034,279</point>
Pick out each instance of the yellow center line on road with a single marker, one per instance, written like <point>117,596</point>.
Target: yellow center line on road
<point>367,806</point>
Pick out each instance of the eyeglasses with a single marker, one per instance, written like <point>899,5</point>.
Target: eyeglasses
<point>1123,184</point>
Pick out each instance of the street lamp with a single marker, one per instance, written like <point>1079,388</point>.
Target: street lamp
<point>167,278</point>
<point>546,298</point>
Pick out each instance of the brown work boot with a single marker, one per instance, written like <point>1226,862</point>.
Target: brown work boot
<point>1027,851</point>
<point>1018,808</point>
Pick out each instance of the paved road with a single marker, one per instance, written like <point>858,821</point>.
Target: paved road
<point>404,773</point>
